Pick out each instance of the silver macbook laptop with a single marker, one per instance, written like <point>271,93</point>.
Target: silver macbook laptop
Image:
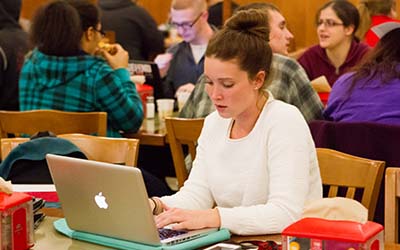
<point>110,200</point>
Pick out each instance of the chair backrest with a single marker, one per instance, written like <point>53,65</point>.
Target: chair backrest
<point>392,197</point>
<point>58,122</point>
<point>343,171</point>
<point>182,131</point>
<point>104,149</point>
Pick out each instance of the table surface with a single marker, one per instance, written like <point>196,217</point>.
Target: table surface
<point>47,238</point>
<point>151,133</point>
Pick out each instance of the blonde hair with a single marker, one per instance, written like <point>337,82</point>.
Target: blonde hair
<point>369,8</point>
<point>199,5</point>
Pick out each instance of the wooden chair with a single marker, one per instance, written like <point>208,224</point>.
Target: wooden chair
<point>182,131</point>
<point>392,196</point>
<point>104,149</point>
<point>344,171</point>
<point>58,122</point>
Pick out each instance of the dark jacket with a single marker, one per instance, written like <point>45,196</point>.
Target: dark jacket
<point>134,28</point>
<point>13,47</point>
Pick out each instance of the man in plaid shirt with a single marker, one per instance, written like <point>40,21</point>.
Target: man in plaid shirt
<point>289,82</point>
<point>62,72</point>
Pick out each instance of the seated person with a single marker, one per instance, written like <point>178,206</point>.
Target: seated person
<point>372,14</point>
<point>256,164</point>
<point>63,73</point>
<point>134,28</point>
<point>338,49</point>
<point>371,92</point>
<point>215,11</point>
<point>13,47</point>
<point>183,63</point>
<point>288,81</point>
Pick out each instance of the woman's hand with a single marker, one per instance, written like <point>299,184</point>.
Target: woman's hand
<point>188,219</point>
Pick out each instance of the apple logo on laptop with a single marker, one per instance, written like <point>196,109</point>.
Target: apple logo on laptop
<point>101,201</point>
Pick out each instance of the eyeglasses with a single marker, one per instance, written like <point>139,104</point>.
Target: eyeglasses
<point>186,25</point>
<point>102,33</point>
<point>328,23</point>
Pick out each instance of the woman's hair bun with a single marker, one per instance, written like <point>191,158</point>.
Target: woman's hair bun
<point>254,22</point>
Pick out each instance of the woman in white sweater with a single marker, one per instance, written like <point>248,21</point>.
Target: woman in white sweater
<point>256,164</point>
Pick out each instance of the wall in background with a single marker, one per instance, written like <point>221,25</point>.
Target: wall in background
<point>300,15</point>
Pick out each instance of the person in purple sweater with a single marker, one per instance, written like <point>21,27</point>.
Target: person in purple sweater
<point>338,49</point>
<point>371,93</point>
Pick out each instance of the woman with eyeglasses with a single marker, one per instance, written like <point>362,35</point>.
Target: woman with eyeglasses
<point>338,48</point>
<point>67,71</point>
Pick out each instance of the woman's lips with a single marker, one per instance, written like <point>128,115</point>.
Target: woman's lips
<point>220,107</point>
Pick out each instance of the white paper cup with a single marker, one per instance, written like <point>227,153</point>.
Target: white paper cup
<point>165,108</point>
<point>139,79</point>
<point>182,98</point>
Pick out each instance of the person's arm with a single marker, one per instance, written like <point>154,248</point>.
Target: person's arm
<point>337,97</point>
<point>117,95</point>
<point>307,100</point>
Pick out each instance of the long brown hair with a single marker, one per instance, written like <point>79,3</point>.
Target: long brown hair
<point>382,62</point>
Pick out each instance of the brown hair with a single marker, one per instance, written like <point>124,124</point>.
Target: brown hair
<point>381,62</point>
<point>245,38</point>
<point>259,6</point>
<point>368,8</point>
<point>56,29</point>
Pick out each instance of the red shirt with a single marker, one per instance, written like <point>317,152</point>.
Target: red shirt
<point>370,37</point>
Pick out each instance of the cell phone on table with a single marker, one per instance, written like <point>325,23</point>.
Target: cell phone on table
<point>224,246</point>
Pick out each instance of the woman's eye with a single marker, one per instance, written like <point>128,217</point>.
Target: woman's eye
<point>227,85</point>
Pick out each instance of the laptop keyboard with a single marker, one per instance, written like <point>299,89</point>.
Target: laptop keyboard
<point>166,233</point>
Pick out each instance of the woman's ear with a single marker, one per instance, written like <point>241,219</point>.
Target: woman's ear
<point>349,30</point>
<point>259,79</point>
<point>89,34</point>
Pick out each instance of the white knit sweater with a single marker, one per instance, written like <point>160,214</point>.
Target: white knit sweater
<point>259,183</point>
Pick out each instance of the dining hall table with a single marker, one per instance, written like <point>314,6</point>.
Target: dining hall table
<point>152,132</point>
<point>47,238</point>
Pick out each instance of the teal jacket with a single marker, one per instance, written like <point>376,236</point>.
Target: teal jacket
<point>81,83</point>
<point>36,150</point>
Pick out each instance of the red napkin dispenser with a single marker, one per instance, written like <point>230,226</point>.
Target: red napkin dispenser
<point>16,230</point>
<point>322,234</point>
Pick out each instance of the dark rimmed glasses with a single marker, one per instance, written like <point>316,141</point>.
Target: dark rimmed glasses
<point>186,25</point>
<point>328,23</point>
